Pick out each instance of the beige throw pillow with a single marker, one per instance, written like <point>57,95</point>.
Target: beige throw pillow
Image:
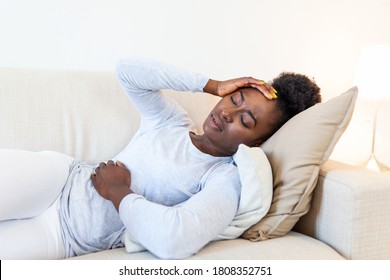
<point>296,152</point>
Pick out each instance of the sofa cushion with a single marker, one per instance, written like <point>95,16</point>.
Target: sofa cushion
<point>296,152</point>
<point>293,246</point>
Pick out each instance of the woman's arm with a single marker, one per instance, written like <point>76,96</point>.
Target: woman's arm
<point>181,231</point>
<point>172,232</point>
<point>140,75</point>
<point>143,79</point>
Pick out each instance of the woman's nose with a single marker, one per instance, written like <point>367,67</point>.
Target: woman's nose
<point>227,115</point>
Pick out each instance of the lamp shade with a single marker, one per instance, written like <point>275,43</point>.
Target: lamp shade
<point>373,72</point>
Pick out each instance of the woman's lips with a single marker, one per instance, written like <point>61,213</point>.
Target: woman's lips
<point>215,122</point>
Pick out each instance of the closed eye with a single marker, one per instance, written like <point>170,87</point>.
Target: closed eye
<point>232,100</point>
<point>242,122</point>
<point>248,120</point>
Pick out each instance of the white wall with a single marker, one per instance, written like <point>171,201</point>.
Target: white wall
<point>220,38</point>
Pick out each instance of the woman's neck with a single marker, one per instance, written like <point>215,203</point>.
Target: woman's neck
<point>203,144</point>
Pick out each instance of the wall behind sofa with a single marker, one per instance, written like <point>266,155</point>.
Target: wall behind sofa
<point>220,38</point>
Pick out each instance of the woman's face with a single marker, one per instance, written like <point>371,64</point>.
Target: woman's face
<point>244,116</point>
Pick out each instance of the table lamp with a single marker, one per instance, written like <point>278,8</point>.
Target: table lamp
<point>372,79</point>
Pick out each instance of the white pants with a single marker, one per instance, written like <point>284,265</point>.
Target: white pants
<point>30,188</point>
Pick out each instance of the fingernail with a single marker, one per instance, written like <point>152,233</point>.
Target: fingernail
<point>275,90</point>
<point>275,96</point>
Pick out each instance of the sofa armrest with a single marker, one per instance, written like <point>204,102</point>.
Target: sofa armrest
<point>350,211</point>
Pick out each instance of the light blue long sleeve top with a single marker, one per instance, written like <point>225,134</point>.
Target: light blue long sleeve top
<point>183,197</point>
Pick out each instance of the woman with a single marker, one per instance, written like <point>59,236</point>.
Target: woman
<point>168,178</point>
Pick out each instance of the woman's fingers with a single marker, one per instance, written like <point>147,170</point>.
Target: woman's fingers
<point>271,90</point>
<point>268,93</point>
<point>266,89</point>
<point>109,163</point>
<point>118,163</point>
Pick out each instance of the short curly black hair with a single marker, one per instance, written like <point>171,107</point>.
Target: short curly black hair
<point>296,93</point>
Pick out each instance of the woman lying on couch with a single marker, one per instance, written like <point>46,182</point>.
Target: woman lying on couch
<point>168,178</point>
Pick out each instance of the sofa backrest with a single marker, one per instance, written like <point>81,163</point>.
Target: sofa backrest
<point>84,114</point>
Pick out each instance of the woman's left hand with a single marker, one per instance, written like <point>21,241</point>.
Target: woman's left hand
<point>112,181</point>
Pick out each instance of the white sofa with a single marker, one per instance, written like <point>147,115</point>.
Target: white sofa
<point>86,115</point>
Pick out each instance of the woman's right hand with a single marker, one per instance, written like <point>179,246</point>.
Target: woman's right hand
<point>222,88</point>
<point>112,180</point>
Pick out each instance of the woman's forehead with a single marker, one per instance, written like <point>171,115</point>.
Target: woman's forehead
<point>257,98</point>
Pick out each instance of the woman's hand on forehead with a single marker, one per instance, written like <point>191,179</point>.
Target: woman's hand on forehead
<point>266,89</point>
<point>223,88</point>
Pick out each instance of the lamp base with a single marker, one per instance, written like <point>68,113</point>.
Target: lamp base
<point>373,164</point>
